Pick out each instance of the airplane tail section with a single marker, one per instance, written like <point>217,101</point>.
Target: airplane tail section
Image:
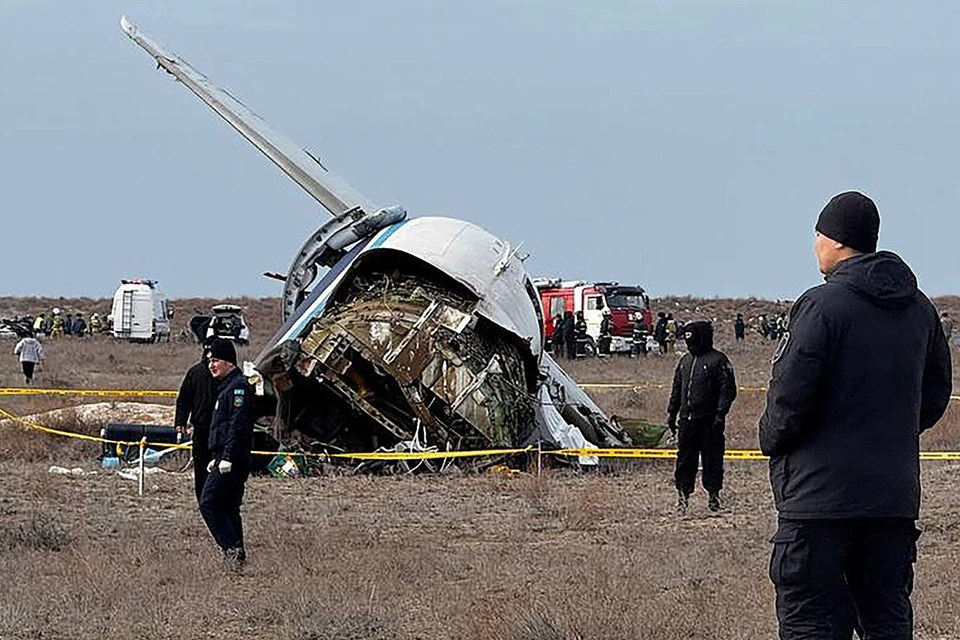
<point>331,191</point>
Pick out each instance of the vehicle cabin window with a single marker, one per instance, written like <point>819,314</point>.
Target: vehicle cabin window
<point>594,303</point>
<point>557,306</point>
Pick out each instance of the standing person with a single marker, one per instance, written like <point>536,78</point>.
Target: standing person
<point>660,331</point>
<point>739,328</point>
<point>231,438</point>
<point>556,337</point>
<point>38,325</point>
<point>56,324</point>
<point>569,335</point>
<point>763,327</point>
<point>947,323</point>
<point>671,338</point>
<point>31,354</point>
<point>96,325</point>
<point>606,334</point>
<point>781,326</point>
<point>704,387</point>
<point>863,370</point>
<point>198,392</point>
<point>68,325</point>
<point>79,325</point>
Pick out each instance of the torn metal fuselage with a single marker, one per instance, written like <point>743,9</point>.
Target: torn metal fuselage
<point>407,338</point>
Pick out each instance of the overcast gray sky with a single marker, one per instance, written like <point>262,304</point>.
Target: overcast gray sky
<point>686,146</point>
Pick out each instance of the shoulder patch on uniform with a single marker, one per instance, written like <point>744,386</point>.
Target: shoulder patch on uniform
<point>781,347</point>
<point>238,400</point>
<point>238,392</point>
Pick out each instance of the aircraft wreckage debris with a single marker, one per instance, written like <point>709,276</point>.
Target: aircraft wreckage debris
<point>402,334</point>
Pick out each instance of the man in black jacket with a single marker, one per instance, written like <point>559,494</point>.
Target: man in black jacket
<point>862,370</point>
<point>704,387</point>
<point>231,438</point>
<point>198,392</point>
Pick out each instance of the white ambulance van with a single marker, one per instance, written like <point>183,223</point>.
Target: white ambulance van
<point>140,312</point>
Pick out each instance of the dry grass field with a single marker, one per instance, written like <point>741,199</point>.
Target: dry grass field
<point>598,556</point>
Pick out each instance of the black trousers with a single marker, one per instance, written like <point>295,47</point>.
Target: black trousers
<point>571,349</point>
<point>699,441</point>
<point>220,506</point>
<point>201,458</point>
<point>831,574</point>
<point>28,369</point>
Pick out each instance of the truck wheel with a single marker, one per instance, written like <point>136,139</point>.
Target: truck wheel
<point>589,348</point>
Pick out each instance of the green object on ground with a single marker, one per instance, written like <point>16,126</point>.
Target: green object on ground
<point>645,434</point>
<point>285,466</point>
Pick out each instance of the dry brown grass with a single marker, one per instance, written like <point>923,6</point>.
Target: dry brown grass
<point>559,557</point>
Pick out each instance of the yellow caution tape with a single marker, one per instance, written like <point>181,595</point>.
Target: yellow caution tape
<point>639,386</point>
<point>103,393</point>
<point>730,454</point>
<point>82,436</point>
<point>733,454</point>
<point>376,455</point>
<point>161,393</point>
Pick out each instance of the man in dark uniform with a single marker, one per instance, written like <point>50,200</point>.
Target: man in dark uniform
<point>231,437</point>
<point>198,392</point>
<point>557,337</point>
<point>569,336</point>
<point>704,387</point>
<point>861,371</point>
<point>660,331</point>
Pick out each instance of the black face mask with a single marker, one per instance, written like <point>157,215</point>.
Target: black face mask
<point>699,336</point>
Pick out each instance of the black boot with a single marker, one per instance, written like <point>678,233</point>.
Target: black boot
<point>713,502</point>
<point>235,559</point>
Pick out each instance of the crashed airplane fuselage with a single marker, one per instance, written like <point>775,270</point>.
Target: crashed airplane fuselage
<point>422,332</point>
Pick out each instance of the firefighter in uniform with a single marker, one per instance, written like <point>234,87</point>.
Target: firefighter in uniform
<point>606,334</point>
<point>704,387</point>
<point>231,436</point>
<point>861,371</point>
<point>198,392</point>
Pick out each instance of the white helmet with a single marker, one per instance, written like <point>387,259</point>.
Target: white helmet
<point>56,311</point>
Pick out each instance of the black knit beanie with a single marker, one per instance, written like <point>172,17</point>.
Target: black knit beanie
<point>222,350</point>
<point>851,219</point>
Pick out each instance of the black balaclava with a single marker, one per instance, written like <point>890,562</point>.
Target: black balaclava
<point>699,337</point>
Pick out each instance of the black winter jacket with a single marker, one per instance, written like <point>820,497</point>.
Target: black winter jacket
<point>231,431</point>
<point>198,392</point>
<point>863,369</point>
<point>704,386</point>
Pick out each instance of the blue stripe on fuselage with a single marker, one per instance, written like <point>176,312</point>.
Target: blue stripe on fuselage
<point>317,300</point>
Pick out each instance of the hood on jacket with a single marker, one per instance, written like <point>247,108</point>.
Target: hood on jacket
<point>882,277</point>
<point>699,337</point>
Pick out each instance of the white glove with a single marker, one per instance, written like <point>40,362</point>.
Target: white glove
<point>225,466</point>
<point>210,466</point>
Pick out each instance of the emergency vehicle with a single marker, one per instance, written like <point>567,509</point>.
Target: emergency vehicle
<point>627,304</point>
<point>140,312</point>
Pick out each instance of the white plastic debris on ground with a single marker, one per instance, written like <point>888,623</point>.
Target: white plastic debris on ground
<point>134,473</point>
<point>564,434</point>
<point>75,472</point>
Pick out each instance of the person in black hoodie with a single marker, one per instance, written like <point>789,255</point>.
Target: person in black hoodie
<point>704,387</point>
<point>198,392</point>
<point>862,370</point>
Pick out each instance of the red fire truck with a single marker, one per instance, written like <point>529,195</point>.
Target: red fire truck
<point>627,304</point>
